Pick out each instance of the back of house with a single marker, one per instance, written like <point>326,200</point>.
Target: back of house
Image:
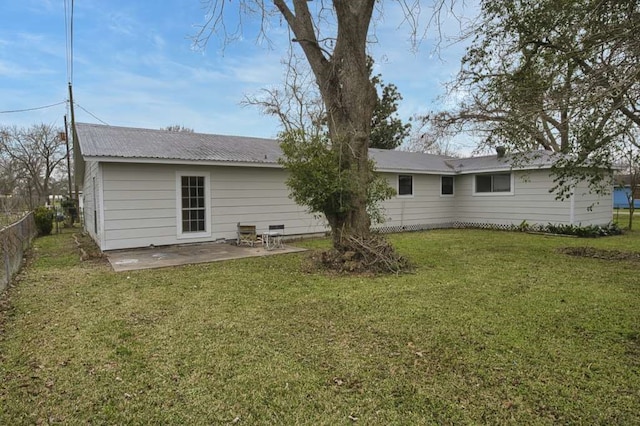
<point>146,187</point>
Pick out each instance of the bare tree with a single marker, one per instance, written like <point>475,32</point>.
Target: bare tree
<point>177,128</point>
<point>427,138</point>
<point>9,182</point>
<point>299,107</point>
<point>35,153</point>
<point>630,165</point>
<point>297,104</point>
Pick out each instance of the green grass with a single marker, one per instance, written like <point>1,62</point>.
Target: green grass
<point>493,327</point>
<point>621,217</point>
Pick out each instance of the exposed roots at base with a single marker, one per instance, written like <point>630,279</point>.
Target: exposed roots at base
<point>374,255</point>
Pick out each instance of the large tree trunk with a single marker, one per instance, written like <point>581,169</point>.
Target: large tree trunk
<point>349,97</point>
<point>350,100</point>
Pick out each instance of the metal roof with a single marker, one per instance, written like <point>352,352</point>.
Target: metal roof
<point>419,162</point>
<point>529,160</point>
<point>132,143</point>
<point>111,143</point>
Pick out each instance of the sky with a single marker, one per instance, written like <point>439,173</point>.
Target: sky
<point>134,64</point>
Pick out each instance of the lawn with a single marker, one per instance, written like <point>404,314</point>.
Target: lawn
<point>493,327</point>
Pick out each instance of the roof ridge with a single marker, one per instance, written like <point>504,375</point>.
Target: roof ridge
<point>144,129</point>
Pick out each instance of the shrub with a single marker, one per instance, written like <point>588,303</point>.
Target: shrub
<point>70,211</point>
<point>44,220</point>
<point>590,231</point>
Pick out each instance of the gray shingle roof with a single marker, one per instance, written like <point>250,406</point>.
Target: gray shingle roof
<point>125,143</point>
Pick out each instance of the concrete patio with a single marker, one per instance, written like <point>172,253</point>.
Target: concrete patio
<point>165,256</point>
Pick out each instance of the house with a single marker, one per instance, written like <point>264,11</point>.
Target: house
<point>622,190</point>
<point>153,187</point>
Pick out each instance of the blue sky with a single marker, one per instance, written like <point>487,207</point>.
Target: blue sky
<point>135,65</point>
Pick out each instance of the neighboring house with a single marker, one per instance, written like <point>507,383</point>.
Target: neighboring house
<point>621,192</point>
<point>153,187</point>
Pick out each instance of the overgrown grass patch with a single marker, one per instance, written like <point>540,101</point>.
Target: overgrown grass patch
<point>492,327</point>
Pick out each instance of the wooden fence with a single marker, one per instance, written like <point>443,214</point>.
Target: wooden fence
<point>15,239</point>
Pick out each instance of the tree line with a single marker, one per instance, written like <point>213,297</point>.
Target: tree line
<point>33,166</point>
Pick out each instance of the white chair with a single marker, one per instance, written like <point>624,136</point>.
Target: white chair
<point>272,238</point>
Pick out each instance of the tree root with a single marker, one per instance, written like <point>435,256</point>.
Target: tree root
<point>373,254</point>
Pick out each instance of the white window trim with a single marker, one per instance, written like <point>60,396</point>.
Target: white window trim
<point>454,187</point>
<point>207,205</point>
<point>494,194</point>
<point>413,186</point>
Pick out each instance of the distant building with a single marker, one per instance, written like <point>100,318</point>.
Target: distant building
<point>621,191</point>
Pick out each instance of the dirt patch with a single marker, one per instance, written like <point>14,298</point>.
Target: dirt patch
<point>597,253</point>
<point>87,247</point>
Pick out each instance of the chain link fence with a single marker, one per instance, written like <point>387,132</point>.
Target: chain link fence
<point>15,240</point>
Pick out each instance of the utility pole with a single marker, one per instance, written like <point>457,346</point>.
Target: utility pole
<point>66,141</point>
<point>76,148</point>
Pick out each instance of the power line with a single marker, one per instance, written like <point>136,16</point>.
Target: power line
<point>90,113</point>
<point>32,109</point>
<point>66,35</point>
<point>68,24</point>
<point>71,47</point>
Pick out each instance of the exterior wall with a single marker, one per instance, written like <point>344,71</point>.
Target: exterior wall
<point>620,200</point>
<point>140,204</point>
<point>91,201</point>
<point>425,208</point>
<point>530,201</point>
<point>591,209</point>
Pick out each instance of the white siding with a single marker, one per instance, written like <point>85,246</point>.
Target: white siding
<point>531,201</point>
<point>426,206</point>
<point>590,208</point>
<point>140,203</point>
<point>91,201</point>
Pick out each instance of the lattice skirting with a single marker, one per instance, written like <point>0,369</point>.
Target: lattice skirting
<point>411,228</point>
<point>449,225</point>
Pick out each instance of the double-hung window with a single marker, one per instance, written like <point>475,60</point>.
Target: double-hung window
<point>493,183</point>
<point>405,185</point>
<point>446,185</point>
<point>193,205</point>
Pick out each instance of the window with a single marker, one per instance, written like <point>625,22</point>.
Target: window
<point>405,185</point>
<point>446,185</point>
<point>493,183</point>
<point>193,205</point>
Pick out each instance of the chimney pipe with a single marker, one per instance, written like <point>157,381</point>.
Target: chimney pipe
<point>501,150</point>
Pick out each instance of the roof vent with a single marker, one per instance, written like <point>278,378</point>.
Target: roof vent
<point>501,150</point>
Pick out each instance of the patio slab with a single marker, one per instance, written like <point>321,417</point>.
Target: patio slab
<point>165,256</point>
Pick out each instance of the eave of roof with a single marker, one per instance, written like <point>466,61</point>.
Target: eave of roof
<point>134,145</point>
<point>140,160</point>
